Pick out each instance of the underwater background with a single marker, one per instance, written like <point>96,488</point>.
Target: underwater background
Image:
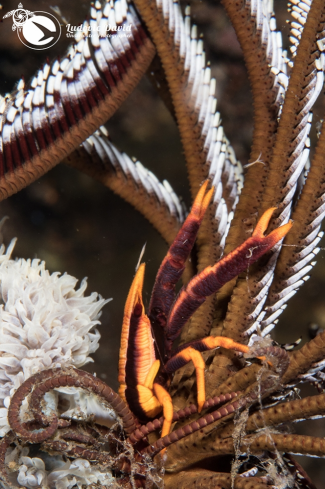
<point>78,226</point>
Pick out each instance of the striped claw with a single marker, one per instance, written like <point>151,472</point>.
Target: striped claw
<point>173,265</point>
<point>211,279</point>
<point>143,383</point>
<point>138,366</point>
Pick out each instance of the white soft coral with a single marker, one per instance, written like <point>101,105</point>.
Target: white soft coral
<point>44,322</point>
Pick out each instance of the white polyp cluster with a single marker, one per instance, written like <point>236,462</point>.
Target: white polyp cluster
<point>45,322</point>
<point>54,472</point>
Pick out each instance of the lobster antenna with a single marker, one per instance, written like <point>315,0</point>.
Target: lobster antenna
<point>141,255</point>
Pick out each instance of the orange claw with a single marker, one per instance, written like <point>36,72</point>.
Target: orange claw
<point>275,235</point>
<point>211,279</point>
<point>133,297</point>
<point>202,201</point>
<point>137,354</point>
<point>138,366</point>
<point>173,265</point>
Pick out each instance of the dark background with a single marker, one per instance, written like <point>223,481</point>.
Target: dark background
<point>78,226</point>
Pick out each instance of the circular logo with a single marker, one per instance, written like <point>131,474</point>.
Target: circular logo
<point>20,16</point>
<point>41,31</point>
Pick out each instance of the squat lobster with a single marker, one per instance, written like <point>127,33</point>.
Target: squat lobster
<point>143,380</point>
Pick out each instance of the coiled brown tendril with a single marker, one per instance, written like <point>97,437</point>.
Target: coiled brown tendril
<point>78,452</point>
<point>50,379</point>
<point>21,429</point>
<point>119,463</point>
<point>156,424</point>
<point>79,378</point>
<point>79,437</point>
<point>4,445</point>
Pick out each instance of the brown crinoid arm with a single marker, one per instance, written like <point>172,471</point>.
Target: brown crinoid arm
<point>299,444</point>
<point>68,100</point>
<point>297,410</point>
<point>260,52</point>
<point>239,380</point>
<point>289,156</point>
<point>210,480</point>
<point>157,21</point>
<point>53,378</point>
<point>300,247</point>
<point>302,360</point>
<point>295,444</point>
<point>156,201</point>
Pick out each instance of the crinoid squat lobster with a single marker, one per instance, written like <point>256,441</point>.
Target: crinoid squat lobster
<point>143,378</point>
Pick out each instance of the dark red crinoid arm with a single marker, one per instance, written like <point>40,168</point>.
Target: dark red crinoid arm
<point>67,101</point>
<point>173,265</point>
<point>211,279</point>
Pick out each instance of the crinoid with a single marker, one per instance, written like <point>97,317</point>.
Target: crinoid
<point>238,264</point>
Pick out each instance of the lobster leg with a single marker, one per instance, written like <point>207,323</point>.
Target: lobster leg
<point>211,279</point>
<point>182,358</point>
<point>173,265</point>
<point>191,352</point>
<point>166,402</point>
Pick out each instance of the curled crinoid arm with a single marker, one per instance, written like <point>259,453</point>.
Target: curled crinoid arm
<point>14,411</point>
<point>212,278</point>
<point>53,378</point>
<point>4,445</point>
<point>173,265</point>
